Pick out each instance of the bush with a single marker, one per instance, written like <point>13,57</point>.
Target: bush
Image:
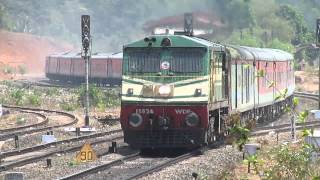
<point>34,99</point>
<point>20,121</point>
<point>17,96</point>
<point>68,106</point>
<point>98,97</point>
<point>290,162</point>
<point>22,69</point>
<point>9,70</point>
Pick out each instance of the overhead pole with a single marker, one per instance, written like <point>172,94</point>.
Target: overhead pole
<point>318,54</point>
<point>85,53</point>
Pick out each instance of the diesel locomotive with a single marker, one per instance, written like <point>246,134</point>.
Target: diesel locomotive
<point>176,89</point>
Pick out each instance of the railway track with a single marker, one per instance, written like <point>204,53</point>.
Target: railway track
<point>133,157</point>
<point>45,121</point>
<point>10,133</point>
<point>45,83</point>
<point>57,150</point>
<point>257,132</point>
<point>56,84</point>
<point>136,158</point>
<point>56,143</point>
<point>307,95</point>
<point>51,148</point>
<point>126,161</point>
<point>260,131</point>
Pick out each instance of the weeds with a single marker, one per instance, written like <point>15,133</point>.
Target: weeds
<point>20,121</point>
<point>17,96</point>
<point>99,98</point>
<point>34,99</point>
<point>22,69</point>
<point>68,106</point>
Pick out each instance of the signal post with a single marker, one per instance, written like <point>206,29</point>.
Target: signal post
<point>86,54</point>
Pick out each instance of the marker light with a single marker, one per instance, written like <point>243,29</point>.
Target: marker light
<point>130,91</point>
<point>198,92</point>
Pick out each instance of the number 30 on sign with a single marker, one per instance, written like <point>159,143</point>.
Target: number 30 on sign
<point>86,154</point>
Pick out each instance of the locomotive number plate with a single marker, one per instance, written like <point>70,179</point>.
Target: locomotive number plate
<point>144,111</point>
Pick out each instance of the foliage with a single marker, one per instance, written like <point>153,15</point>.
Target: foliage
<point>277,44</point>
<point>290,162</point>
<point>273,23</point>
<point>232,10</point>
<point>8,69</point>
<point>245,39</point>
<point>238,130</point>
<point>34,99</point>
<point>20,120</point>
<point>253,160</point>
<point>17,96</point>
<point>4,20</point>
<point>68,105</point>
<point>242,135</point>
<point>52,91</point>
<point>98,97</point>
<point>22,69</point>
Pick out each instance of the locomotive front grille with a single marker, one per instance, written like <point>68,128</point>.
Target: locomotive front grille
<point>164,138</point>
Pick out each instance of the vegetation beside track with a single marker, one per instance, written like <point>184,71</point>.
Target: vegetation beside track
<point>57,98</point>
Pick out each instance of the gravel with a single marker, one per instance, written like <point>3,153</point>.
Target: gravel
<point>17,119</point>
<point>65,164</point>
<point>211,165</point>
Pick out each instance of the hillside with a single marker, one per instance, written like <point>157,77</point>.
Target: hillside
<point>20,49</point>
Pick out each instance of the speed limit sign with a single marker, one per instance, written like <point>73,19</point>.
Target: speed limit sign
<point>86,154</point>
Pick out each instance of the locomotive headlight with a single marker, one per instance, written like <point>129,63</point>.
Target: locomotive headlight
<point>192,119</point>
<point>164,90</point>
<point>135,120</point>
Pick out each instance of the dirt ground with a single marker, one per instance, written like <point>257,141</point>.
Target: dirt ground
<point>307,81</point>
<point>27,50</point>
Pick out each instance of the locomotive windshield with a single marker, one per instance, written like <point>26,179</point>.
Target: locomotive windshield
<point>140,61</point>
<point>177,60</point>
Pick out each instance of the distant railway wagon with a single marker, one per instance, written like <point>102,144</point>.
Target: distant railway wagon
<point>103,68</point>
<point>178,89</point>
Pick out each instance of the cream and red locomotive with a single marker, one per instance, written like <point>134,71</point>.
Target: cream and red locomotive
<point>177,88</point>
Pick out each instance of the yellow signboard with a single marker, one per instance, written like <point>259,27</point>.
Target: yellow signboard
<point>86,154</point>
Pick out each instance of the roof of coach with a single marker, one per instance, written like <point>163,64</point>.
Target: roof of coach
<point>251,53</point>
<point>117,55</point>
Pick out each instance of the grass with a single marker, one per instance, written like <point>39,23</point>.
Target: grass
<point>58,98</point>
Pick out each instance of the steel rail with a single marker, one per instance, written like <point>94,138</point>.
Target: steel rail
<point>18,163</point>
<point>286,127</point>
<point>47,145</point>
<point>166,164</point>
<point>283,128</point>
<point>45,121</point>
<point>12,134</point>
<point>101,167</point>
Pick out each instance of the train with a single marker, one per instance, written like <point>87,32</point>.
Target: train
<point>104,68</point>
<point>179,90</point>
